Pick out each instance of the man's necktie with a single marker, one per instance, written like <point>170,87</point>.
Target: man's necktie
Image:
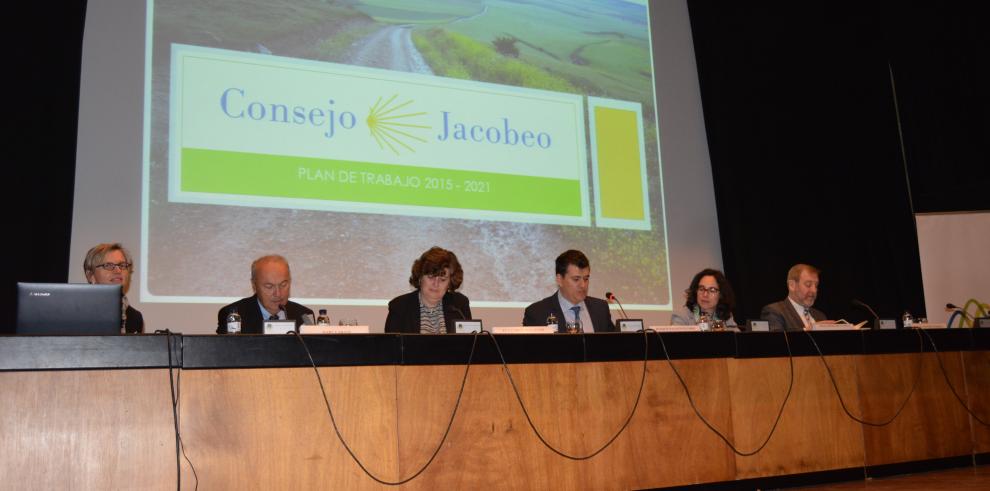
<point>273,317</point>
<point>807,318</point>
<point>577,314</point>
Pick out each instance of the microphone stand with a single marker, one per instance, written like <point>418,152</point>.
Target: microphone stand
<point>612,298</point>
<point>876,318</point>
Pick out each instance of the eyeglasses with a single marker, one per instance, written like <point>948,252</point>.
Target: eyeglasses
<point>115,266</point>
<point>711,290</point>
<point>438,276</point>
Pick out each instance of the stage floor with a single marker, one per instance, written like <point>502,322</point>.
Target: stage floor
<point>962,479</point>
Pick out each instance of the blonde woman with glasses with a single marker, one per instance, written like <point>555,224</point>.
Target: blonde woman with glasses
<point>111,264</point>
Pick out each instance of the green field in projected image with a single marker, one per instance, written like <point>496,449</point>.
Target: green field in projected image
<point>246,22</point>
<point>598,49</point>
<point>581,46</point>
<point>420,11</point>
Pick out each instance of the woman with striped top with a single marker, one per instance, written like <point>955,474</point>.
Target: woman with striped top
<point>435,304</point>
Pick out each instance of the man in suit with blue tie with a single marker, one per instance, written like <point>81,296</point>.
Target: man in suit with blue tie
<point>271,281</point>
<point>571,301</point>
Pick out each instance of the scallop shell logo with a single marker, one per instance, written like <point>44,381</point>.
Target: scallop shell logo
<point>393,129</point>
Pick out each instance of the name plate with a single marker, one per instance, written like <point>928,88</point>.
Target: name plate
<point>524,330</point>
<point>630,325</point>
<point>325,329</point>
<point>929,325</point>
<point>676,328</point>
<point>279,327</point>
<point>759,326</point>
<point>467,326</point>
<point>888,324</point>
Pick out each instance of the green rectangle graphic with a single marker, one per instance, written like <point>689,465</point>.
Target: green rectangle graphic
<point>278,176</point>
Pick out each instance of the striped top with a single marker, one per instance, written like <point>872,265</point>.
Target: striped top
<point>431,318</point>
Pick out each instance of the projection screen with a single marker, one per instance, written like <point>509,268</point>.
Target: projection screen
<point>351,136</point>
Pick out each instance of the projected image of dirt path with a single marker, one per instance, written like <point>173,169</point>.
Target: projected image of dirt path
<point>391,48</point>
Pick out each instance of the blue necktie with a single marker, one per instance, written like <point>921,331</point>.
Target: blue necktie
<point>577,314</point>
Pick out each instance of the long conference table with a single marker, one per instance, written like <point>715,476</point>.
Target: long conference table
<point>96,412</point>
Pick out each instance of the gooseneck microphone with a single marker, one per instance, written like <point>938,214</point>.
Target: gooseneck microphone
<point>458,311</point>
<point>453,308</point>
<point>876,318</point>
<point>951,307</point>
<point>281,308</point>
<point>612,298</point>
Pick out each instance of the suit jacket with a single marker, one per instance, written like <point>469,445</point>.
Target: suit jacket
<point>781,315</point>
<point>403,312</point>
<point>536,314</point>
<point>135,321</point>
<point>251,321</point>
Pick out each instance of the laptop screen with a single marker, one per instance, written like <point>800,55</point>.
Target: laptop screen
<point>57,309</point>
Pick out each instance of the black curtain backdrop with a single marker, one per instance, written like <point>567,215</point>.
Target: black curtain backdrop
<point>44,40</point>
<point>801,124</point>
<point>939,56</point>
<point>803,132</point>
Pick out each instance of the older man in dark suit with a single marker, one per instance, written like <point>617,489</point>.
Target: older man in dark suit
<point>795,312</point>
<point>271,281</point>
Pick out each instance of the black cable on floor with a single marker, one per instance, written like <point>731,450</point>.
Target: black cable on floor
<point>508,373</point>
<point>917,378</point>
<point>732,446</point>
<point>947,382</point>
<point>347,447</point>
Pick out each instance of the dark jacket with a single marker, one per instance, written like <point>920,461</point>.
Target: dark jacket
<point>536,314</point>
<point>403,312</point>
<point>781,315</point>
<point>251,321</point>
<point>135,321</point>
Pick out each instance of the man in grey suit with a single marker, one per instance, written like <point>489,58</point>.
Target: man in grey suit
<point>795,312</point>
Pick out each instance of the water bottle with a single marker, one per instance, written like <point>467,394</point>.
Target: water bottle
<point>233,322</point>
<point>323,319</point>
<point>703,323</point>
<point>908,320</point>
<point>552,321</point>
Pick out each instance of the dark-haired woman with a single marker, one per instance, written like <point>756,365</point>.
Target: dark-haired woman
<point>710,296</point>
<point>435,304</point>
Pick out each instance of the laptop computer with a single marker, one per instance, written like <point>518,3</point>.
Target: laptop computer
<point>58,309</point>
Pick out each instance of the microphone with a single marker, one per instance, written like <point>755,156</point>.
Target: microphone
<point>281,308</point>
<point>950,307</point>
<point>458,311</point>
<point>612,298</point>
<point>453,308</point>
<point>876,318</point>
